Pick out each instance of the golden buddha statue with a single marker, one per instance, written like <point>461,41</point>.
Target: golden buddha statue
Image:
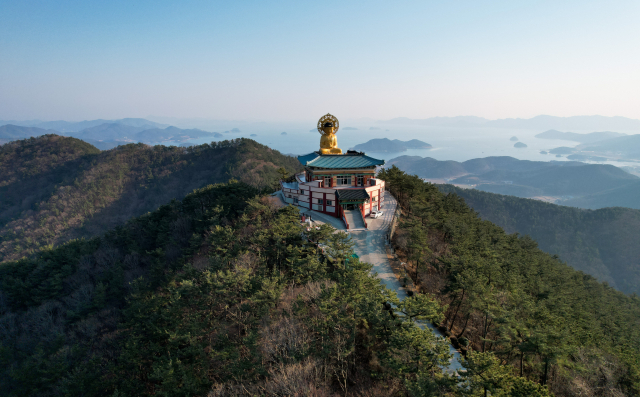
<point>328,126</point>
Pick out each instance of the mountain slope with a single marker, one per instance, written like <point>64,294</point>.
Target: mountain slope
<point>504,295</point>
<point>563,180</point>
<point>382,145</point>
<point>566,180</point>
<point>12,132</point>
<point>541,122</point>
<point>427,167</point>
<point>52,193</point>
<point>108,132</point>
<point>157,135</point>
<point>31,169</point>
<point>111,134</point>
<point>583,138</point>
<point>624,146</point>
<point>604,243</point>
<point>221,293</point>
<point>75,126</point>
<point>225,294</point>
<point>623,196</point>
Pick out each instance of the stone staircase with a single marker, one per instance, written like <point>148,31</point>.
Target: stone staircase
<point>354,219</point>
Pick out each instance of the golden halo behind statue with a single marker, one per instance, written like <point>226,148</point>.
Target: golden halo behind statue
<point>328,118</point>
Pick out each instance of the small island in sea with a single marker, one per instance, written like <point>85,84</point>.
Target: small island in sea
<point>514,139</point>
<point>582,138</point>
<point>283,133</point>
<point>562,150</point>
<point>381,145</point>
<point>520,145</point>
<point>254,134</point>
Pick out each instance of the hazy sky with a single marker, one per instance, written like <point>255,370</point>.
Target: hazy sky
<point>269,60</point>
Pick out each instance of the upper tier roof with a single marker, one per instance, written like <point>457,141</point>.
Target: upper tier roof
<point>337,161</point>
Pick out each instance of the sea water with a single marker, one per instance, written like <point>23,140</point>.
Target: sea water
<point>448,143</point>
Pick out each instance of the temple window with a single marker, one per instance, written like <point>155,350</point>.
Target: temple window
<point>319,201</point>
<point>343,180</point>
<point>329,202</point>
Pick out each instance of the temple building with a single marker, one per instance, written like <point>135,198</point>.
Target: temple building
<point>335,183</point>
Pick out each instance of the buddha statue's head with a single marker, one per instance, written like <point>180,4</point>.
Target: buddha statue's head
<point>328,128</point>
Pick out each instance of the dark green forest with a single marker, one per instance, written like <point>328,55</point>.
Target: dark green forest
<point>604,243</point>
<point>224,293</point>
<point>54,189</point>
<point>550,323</point>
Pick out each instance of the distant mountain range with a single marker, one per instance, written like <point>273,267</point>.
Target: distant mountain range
<point>108,135</point>
<point>385,145</point>
<point>582,138</point>
<point>568,182</point>
<point>11,132</point>
<point>75,126</point>
<point>536,123</point>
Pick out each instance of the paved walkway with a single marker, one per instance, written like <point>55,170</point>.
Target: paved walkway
<point>370,245</point>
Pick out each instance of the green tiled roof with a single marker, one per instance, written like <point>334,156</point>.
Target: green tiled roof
<point>352,194</point>
<point>337,161</point>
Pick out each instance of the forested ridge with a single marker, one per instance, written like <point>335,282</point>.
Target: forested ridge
<point>604,243</point>
<point>221,294</point>
<point>54,189</point>
<point>224,293</point>
<point>541,318</point>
